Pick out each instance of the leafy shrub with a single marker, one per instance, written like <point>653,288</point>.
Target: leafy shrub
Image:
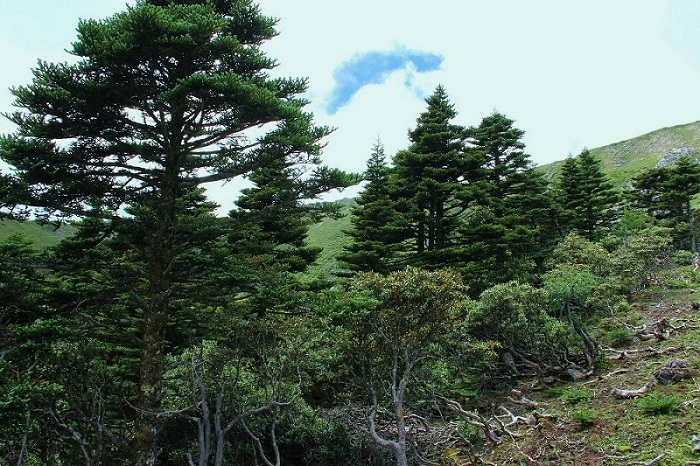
<point>585,417</point>
<point>655,404</point>
<point>682,258</point>
<point>574,396</point>
<point>618,337</point>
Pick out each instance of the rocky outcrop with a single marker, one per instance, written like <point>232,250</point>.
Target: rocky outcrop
<point>672,155</point>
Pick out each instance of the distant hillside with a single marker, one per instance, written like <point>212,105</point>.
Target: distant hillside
<point>623,160</point>
<point>328,234</point>
<point>42,236</point>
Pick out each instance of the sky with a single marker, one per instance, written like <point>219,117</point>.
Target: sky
<point>570,74</point>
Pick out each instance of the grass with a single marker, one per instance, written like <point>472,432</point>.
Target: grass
<point>42,236</point>
<point>329,235</point>
<point>623,160</point>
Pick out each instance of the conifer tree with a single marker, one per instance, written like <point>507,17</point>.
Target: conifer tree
<point>429,177</point>
<point>587,196</point>
<point>506,233</point>
<point>506,165</point>
<point>163,98</point>
<point>378,226</point>
<point>666,193</point>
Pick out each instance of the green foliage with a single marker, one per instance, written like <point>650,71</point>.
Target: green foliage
<point>666,193</point>
<point>618,337</point>
<point>414,309</point>
<point>585,417</point>
<point>426,177</point>
<point>163,98</point>
<point>655,404</point>
<point>574,396</point>
<point>586,196</point>
<point>516,317</point>
<point>378,225</point>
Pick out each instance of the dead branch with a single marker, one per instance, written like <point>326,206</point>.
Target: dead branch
<point>696,443</point>
<point>493,433</point>
<point>655,330</point>
<point>656,460</point>
<point>259,446</point>
<point>609,374</point>
<point>626,394</point>
<point>522,400</point>
<point>514,419</point>
<point>641,352</point>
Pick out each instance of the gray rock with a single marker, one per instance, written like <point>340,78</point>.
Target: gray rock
<point>672,155</point>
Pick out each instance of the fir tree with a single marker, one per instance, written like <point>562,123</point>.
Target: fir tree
<point>163,98</point>
<point>428,177</point>
<point>506,233</point>
<point>378,226</point>
<point>587,196</point>
<point>666,193</point>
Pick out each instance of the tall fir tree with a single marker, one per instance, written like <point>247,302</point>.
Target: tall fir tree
<point>269,229</point>
<point>429,178</point>
<point>506,165</point>
<point>506,233</point>
<point>586,196</point>
<point>162,99</point>
<point>378,225</point>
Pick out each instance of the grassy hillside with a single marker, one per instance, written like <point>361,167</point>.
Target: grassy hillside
<point>328,234</point>
<point>622,160</point>
<point>41,235</point>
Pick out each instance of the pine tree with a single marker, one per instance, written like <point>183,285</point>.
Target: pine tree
<point>505,162</point>
<point>378,226</point>
<point>163,98</point>
<point>587,196</point>
<point>506,233</point>
<point>666,193</point>
<point>429,177</point>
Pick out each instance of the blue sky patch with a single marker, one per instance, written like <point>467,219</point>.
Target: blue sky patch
<point>374,67</point>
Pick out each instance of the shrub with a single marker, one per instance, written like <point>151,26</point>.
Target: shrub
<point>655,404</point>
<point>574,396</point>
<point>585,417</point>
<point>618,337</point>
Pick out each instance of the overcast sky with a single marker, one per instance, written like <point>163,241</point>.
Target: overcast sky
<point>571,74</point>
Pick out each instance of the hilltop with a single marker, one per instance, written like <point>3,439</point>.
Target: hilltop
<point>623,160</point>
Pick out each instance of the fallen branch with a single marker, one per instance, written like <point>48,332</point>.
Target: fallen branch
<point>656,460</point>
<point>625,354</point>
<point>655,330</point>
<point>626,394</point>
<point>609,374</point>
<point>522,400</point>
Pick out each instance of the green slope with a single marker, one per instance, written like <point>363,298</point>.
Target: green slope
<point>328,234</point>
<point>42,236</point>
<point>623,160</point>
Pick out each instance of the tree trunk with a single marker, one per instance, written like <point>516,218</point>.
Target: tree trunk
<point>159,258</point>
<point>691,227</point>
